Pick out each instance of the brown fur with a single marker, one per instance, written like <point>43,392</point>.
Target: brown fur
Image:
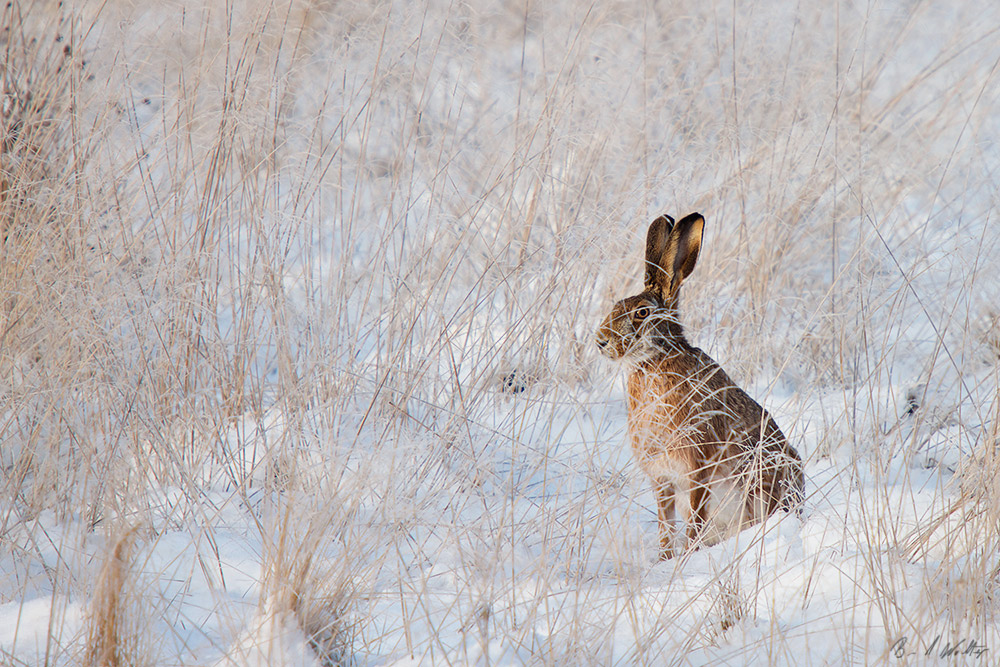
<point>706,445</point>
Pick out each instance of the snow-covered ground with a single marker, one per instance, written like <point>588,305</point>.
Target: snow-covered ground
<point>298,302</point>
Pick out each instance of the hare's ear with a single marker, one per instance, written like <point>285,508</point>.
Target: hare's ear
<point>681,252</point>
<point>657,273</point>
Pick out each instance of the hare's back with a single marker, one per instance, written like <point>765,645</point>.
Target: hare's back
<point>690,396</point>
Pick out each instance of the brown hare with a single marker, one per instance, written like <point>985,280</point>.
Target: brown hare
<point>715,456</point>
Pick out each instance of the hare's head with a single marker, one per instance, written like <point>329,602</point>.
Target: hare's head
<point>641,326</point>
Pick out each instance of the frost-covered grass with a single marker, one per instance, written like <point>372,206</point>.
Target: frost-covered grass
<point>296,314</point>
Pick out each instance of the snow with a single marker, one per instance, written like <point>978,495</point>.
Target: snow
<point>425,209</point>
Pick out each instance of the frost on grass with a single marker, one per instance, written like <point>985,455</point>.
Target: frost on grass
<point>300,297</point>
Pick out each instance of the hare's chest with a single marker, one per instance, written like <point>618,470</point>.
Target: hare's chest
<point>662,430</point>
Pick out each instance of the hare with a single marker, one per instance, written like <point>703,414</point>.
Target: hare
<point>714,454</point>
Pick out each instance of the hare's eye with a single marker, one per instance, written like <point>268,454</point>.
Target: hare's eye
<point>642,312</point>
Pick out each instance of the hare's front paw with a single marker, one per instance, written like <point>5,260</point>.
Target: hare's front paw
<point>673,541</point>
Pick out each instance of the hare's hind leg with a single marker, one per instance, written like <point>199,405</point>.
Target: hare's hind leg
<point>792,486</point>
<point>697,521</point>
<point>761,489</point>
<point>667,514</point>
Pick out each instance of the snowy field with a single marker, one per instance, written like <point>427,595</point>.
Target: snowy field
<point>297,313</point>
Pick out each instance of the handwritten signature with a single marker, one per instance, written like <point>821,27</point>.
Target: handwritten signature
<point>940,648</point>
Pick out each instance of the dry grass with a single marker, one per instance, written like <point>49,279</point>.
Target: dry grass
<point>110,641</point>
<point>308,289</point>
